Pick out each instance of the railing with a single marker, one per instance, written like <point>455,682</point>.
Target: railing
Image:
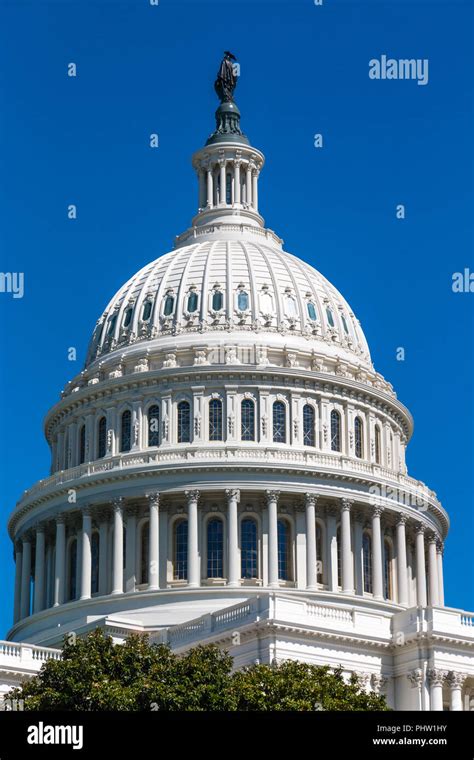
<point>330,613</point>
<point>467,618</point>
<point>212,622</point>
<point>28,654</point>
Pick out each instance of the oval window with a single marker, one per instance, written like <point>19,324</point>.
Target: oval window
<point>192,302</point>
<point>169,306</point>
<point>243,300</point>
<point>146,310</point>
<point>217,300</point>
<point>330,317</point>
<point>312,311</point>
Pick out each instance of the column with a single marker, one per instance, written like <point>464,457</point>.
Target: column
<point>435,680</point>
<point>113,431</point>
<point>439,549</point>
<point>18,564</point>
<point>420,567</point>
<point>39,569</point>
<point>255,190</point>
<point>25,576</point>
<point>433,571</point>
<point>130,550</point>
<point>272,506</point>
<point>153,541</point>
<point>248,186</point>
<point>222,183</point>
<point>163,551</point>
<point>210,189</point>
<point>117,577</point>
<point>202,188</point>
<point>233,498</point>
<point>103,558</point>
<point>194,569</point>
<point>402,568</point>
<point>358,558</point>
<point>237,182</point>
<point>331,529</point>
<point>311,556</point>
<point>455,682</point>
<point>377,567</point>
<point>72,445</point>
<point>346,550</point>
<point>60,565</point>
<point>86,563</point>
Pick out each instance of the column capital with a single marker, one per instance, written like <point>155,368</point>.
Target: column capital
<point>455,680</point>
<point>440,546</point>
<point>40,527</point>
<point>346,505</point>
<point>378,682</point>
<point>87,510</point>
<point>18,545</point>
<point>402,519</point>
<point>233,494</point>
<point>420,528</point>
<point>431,537</point>
<point>61,518</point>
<point>416,677</point>
<point>118,504</point>
<point>311,499</point>
<point>435,676</point>
<point>377,511</point>
<point>27,537</point>
<point>192,495</point>
<point>272,496</point>
<point>153,499</point>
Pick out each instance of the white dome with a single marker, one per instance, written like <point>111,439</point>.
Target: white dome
<point>234,284</point>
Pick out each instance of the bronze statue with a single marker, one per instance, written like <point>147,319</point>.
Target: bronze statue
<point>226,81</point>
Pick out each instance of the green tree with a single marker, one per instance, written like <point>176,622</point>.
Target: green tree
<point>95,674</point>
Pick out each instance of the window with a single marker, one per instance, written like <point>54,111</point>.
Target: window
<point>284,551</point>
<point>367,562</point>
<point>358,437</point>
<point>169,306</point>
<point>192,302</point>
<point>126,431</point>
<point>387,570</point>
<point>144,554</point>
<point>335,431</point>
<point>312,311</point>
<point>184,422</point>
<point>377,444</point>
<point>247,420</point>
<point>215,549</point>
<point>279,422</point>
<point>242,300</point>
<point>215,420</point>
<point>217,300</point>
<point>344,324</point>
<point>228,189</point>
<point>154,425</point>
<point>180,550</point>
<point>309,438</point>
<point>113,320</point>
<point>82,444</point>
<point>146,310</point>
<point>101,437</point>
<point>72,570</point>
<point>290,306</point>
<point>128,316</point>
<point>330,317</point>
<point>249,549</point>
<point>95,549</point>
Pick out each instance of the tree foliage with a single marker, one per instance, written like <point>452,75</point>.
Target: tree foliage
<point>95,674</point>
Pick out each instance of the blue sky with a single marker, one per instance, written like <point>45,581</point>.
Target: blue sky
<point>304,70</point>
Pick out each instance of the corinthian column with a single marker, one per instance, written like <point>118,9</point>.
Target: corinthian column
<point>233,498</point>
<point>439,549</point>
<point>153,542</point>
<point>60,568</point>
<point>18,564</point>
<point>433,571</point>
<point>38,603</point>
<point>420,567</point>
<point>402,567</point>
<point>86,565</point>
<point>272,506</point>
<point>117,578</point>
<point>26,576</point>
<point>435,679</point>
<point>346,550</point>
<point>455,682</point>
<point>194,570</point>
<point>377,568</point>
<point>311,554</point>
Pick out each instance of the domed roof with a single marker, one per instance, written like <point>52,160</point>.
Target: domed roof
<point>237,285</point>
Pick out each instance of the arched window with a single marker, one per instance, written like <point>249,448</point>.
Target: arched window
<point>247,420</point>
<point>128,316</point>
<point>95,550</point>
<point>215,420</point>
<point>101,437</point>
<point>144,552</point>
<point>169,305</point>
<point>72,570</point>
<point>184,422</point>
<point>217,300</point>
<point>249,548</point>
<point>377,444</point>
<point>126,431</point>
<point>279,422</point>
<point>146,310</point>
<point>312,311</point>
<point>387,570</point>
<point>215,549</point>
<point>330,317</point>
<point>154,425</point>
<point>339,557</point>
<point>309,436</point>
<point>367,562</point>
<point>180,564</point>
<point>358,430</point>
<point>284,551</point>
<point>242,300</point>
<point>335,431</point>
<point>193,301</point>
<point>82,444</point>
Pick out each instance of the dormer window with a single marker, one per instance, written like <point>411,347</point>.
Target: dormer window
<point>242,300</point>
<point>169,305</point>
<point>146,310</point>
<point>217,300</point>
<point>312,311</point>
<point>193,301</point>
<point>330,317</point>
<point>112,324</point>
<point>344,324</point>
<point>128,316</point>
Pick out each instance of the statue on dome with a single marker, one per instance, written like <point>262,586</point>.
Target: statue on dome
<point>226,81</point>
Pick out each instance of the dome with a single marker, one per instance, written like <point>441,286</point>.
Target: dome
<point>235,284</point>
